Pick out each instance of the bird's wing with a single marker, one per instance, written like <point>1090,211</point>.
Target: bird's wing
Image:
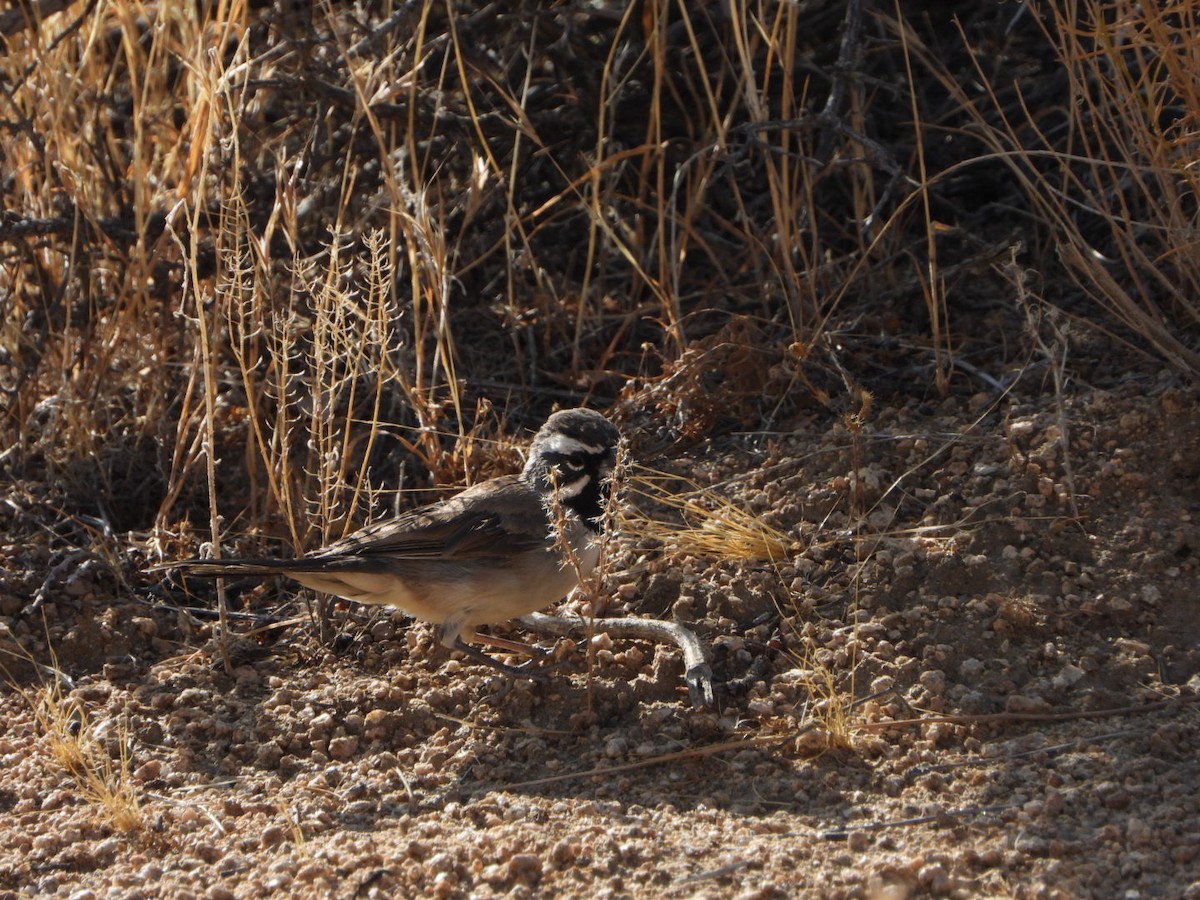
<point>498,518</point>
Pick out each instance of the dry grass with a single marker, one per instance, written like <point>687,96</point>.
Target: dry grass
<point>96,757</point>
<point>101,780</point>
<point>299,294</point>
<point>826,722</point>
<point>1113,182</point>
<point>233,228</point>
<point>255,265</point>
<point>709,525</point>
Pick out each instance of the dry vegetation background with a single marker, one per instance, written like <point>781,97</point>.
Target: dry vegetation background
<point>263,263</point>
<point>331,234</point>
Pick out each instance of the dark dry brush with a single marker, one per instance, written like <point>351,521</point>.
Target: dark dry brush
<point>878,293</point>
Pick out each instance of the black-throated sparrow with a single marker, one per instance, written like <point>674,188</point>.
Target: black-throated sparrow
<point>486,555</point>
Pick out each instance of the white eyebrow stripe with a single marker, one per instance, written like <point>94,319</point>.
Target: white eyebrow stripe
<point>567,445</point>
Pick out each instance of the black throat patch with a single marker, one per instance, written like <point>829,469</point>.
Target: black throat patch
<point>588,504</point>
<point>564,471</point>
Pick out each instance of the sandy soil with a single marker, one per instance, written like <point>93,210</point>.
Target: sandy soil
<point>1031,732</point>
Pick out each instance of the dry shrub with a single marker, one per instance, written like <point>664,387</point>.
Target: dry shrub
<point>343,241</point>
<point>1109,171</point>
<point>196,188</point>
<point>721,379</point>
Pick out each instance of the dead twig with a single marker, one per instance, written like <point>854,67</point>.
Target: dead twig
<point>690,753</point>
<point>1056,356</point>
<point>982,760</point>
<point>942,816</point>
<point>1064,716</point>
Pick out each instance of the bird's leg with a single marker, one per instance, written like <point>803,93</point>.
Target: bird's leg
<point>539,656</point>
<point>505,644</point>
<point>455,637</point>
<point>522,671</point>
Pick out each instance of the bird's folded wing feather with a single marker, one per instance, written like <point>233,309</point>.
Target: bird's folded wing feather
<point>465,526</point>
<point>466,535</point>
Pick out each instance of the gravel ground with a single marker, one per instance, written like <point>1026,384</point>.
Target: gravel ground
<point>1025,680</point>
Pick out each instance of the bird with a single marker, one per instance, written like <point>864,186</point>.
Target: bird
<point>493,552</point>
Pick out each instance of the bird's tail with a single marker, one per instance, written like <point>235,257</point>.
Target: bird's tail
<point>218,568</point>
